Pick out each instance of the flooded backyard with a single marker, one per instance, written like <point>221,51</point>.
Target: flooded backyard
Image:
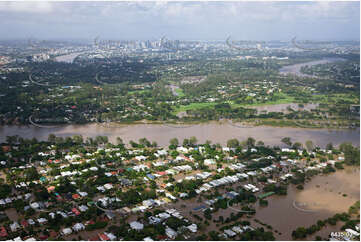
<point>322,197</point>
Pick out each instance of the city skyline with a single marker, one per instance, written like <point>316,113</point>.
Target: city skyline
<point>181,20</point>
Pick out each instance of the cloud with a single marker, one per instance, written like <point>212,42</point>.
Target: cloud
<point>26,7</point>
<point>183,19</point>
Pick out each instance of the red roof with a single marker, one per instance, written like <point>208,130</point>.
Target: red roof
<point>76,211</point>
<point>76,196</point>
<point>24,223</point>
<point>161,237</point>
<point>162,173</point>
<point>104,219</point>
<point>43,237</point>
<point>3,232</point>
<point>89,222</point>
<point>6,148</point>
<point>103,237</point>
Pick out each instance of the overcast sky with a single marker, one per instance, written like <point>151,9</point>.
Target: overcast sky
<point>181,20</point>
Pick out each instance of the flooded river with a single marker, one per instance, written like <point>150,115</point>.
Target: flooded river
<point>214,131</point>
<point>296,69</point>
<point>321,198</point>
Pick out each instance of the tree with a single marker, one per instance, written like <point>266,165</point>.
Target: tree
<point>263,202</point>
<point>300,187</point>
<point>208,214</point>
<point>214,235</point>
<point>174,142</point>
<point>133,144</point>
<point>297,145</point>
<point>185,142</point>
<point>78,139</point>
<point>299,233</point>
<point>329,146</point>
<point>51,138</point>
<point>31,174</point>
<point>119,141</point>
<point>260,143</point>
<point>309,145</point>
<point>145,142</point>
<point>250,142</point>
<point>5,190</point>
<point>287,141</point>
<point>352,154</point>
<point>232,143</point>
<point>12,139</point>
<point>193,141</point>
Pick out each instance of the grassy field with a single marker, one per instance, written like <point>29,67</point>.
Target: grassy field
<point>333,98</point>
<point>137,91</point>
<point>284,99</point>
<point>193,106</point>
<point>180,92</point>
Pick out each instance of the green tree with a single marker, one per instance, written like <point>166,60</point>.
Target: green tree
<point>309,145</point>
<point>174,142</point>
<point>193,141</point>
<point>52,138</point>
<point>287,141</point>
<point>250,142</point>
<point>232,143</point>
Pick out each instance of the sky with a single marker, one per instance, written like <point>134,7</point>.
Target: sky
<point>180,20</point>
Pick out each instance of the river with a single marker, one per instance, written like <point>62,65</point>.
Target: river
<point>213,131</point>
<point>296,69</point>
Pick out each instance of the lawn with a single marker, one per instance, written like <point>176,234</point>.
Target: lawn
<point>180,92</point>
<point>333,98</point>
<point>285,99</point>
<point>193,106</point>
<point>138,91</point>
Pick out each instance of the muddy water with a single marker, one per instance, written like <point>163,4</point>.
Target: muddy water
<point>284,107</point>
<point>322,198</point>
<point>213,131</point>
<point>296,69</point>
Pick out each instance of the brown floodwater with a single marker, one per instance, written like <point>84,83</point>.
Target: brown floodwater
<point>296,68</point>
<point>321,198</point>
<point>284,107</point>
<point>213,131</point>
